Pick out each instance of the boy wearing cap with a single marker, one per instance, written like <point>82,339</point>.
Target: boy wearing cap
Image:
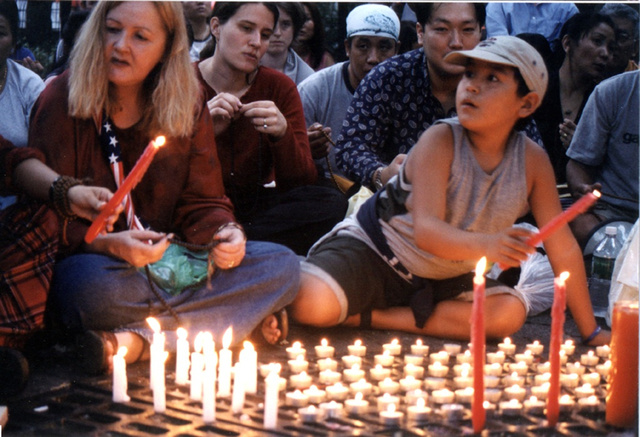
<point>372,37</point>
<point>404,261</point>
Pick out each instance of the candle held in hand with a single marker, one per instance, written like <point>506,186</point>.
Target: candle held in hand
<point>123,190</point>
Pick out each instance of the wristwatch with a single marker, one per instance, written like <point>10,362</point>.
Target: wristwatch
<point>377,179</point>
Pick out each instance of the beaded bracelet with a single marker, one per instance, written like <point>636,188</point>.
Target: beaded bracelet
<point>59,195</point>
<point>593,335</point>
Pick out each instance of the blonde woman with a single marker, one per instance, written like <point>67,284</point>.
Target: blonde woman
<point>130,79</point>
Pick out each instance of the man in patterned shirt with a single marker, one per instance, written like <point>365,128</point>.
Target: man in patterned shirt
<point>400,98</point>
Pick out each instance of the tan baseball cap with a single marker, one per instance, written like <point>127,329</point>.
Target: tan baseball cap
<point>512,51</point>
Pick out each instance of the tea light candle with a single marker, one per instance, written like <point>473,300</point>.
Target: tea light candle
<point>327,364</point>
<point>452,412</point>
<point>604,369</point>
<point>463,395</point>
<point>442,357</point>
<point>533,405</point>
<point>361,386</point>
<point>301,380</point>
<point>265,369</point>
<point>323,350</point>
<point>463,381</point>
<point>298,365</point>
<point>357,349</point>
<point>541,391</point>
<point>464,357</point>
<point>568,347</point>
<point>331,409</point>
<point>563,357</point>
<point>309,414</point>
<point>513,379</point>
<point>544,367</point>
<point>412,396</point>
<point>515,392</point>
<point>525,357</point>
<point>566,404</point>
<point>384,359</point>
<point>489,408</point>
<point>337,392</point>
<point>520,368</point>
<point>414,370</point>
<point>589,404</point>
<point>315,395</point>
<point>295,349</point>
<point>351,360</point>
<point>459,369</point>
<point>416,360</point>
<point>584,391</point>
<point>356,406</point>
<point>385,400</point>
<point>592,378</point>
<point>438,370</point>
<point>491,381</point>
<point>452,348</point>
<point>419,348</point>
<point>443,396</point>
<point>603,351</point>
<point>569,380</point>
<point>394,348</point>
<point>296,399</point>
<point>496,357</point>
<point>511,407</point>
<point>492,395</point>
<point>418,412</point>
<point>494,369</point>
<point>507,346</point>
<point>328,377</point>
<point>433,383</point>
<point>541,379</point>
<point>390,416</point>
<point>589,359</point>
<point>282,383</point>
<point>576,368</point>
<point>536,348</point>
<point>388,385</point>
<point>378,373</point>
<point>353,374</point>
<point>410,383</point>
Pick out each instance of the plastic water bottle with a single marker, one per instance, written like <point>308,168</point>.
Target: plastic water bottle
<point>604,258</point>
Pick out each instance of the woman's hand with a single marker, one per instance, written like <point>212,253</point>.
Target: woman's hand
<point>231,250</point>
<point>266,118</point>
<point>223,108</point>
<point>138,248</point>
<point>509,247</point>
<point>87,202</point>
<point>319,140</point>
<point>567,129</point>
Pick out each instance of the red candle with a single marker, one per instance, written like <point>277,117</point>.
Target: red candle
<point>583,204</point>
<point>125,188</point>
<point>478,414</point>
<point>557,330</point>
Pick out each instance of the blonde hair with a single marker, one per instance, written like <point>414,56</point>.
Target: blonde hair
<point>171,92</point>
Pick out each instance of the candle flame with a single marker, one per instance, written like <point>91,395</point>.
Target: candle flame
<point>563,277</point>
<point>391,408</point>
<point>418,342</point>
<point>420,403</point>
<point>297,393</point>
<point>153,324</point>
<point>182,333</point>
<point>247,345</point>
<point>358,396</point>
<point>481,266</point>
<point>358,343</point>
<point>296,345</point>
<point>597,193</point>
<point>395,341</point>
<point>159,141</point>
<point>324,342</point>
<point>122,351</point>
<point>226,338</point>
<point>507,341</point>
<point>311,409</point>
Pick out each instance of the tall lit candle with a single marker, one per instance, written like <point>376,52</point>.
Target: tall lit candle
<point>272,387</point>
<point>120,383</point>
<point>249,363</point>
<point>225,364</point>
<point>156,350</point>
<point>237,398</point>
<point>209,384</point>
<point>557,330</point>
<point>197,366</point>
<point>132,179</point>
<point>159,389</point>
<point>182,357</point>
<point>478,415</point>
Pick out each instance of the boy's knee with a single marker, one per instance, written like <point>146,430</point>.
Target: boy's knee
<point>315,303</point>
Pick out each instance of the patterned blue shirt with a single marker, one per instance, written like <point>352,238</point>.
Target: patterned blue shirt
<point>391,108</point>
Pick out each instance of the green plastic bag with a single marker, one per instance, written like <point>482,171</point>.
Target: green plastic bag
<point>179,269</point>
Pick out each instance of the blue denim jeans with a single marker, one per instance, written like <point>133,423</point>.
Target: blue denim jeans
<point>91,291</point>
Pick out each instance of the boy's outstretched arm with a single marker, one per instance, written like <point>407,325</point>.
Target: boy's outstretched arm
<point>561,247</point>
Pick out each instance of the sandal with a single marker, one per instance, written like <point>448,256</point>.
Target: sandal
<point>95,350</point>
<point>257,337</point>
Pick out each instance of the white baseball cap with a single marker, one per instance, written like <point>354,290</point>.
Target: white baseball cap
<point>373,20</point>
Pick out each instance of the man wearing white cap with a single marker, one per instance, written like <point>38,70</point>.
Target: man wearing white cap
<point>372,37</point>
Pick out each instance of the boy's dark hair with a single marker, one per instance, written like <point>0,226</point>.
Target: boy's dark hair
<point>425,10</point>
<point>9,10</point>
<point>522,91</point>
<point>297,14</point>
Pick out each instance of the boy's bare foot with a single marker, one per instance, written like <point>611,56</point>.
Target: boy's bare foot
<point>270,329</point>
<point>273,329</point>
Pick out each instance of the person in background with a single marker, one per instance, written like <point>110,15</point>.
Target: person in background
<point>604,154</point>
<point>131,79</point>
<point>625,53</point>
<point>588,41</point>
<point>310,44</point>
<point>372,37</point>
<point>197,15</point>
<point>403,96</point>
<point>19,86</point>
<point>405,260</point>
<point>280,55</point>
<point>69,33</point>
<point>261,136</point>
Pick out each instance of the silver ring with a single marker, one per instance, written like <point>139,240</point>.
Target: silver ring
<point>231,264</point>
<point>264,121</point>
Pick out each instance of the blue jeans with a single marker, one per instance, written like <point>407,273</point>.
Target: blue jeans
<point>91,291</point>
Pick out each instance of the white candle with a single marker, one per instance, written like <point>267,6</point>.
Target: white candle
<point>507,346</point>
<point>438,370</point>
<point>326,377</point>
<point>494,369</point>
<point>492,395</point>
<point>489,408</point>
<point>378,373</point>
<point>496,357</point>
<point>491,381</point>
<point>296,399</point>
<point>536,348</point>
<point>302,380</point>
<point>315,395</point>
<point>388,385</point>
<point>295,349</point>
<point>544,367</point>
<point>414,370</point>
<point>386,399</point>
<point>603,351</point>
<point>309,414</point>
<point>416,360</point>
<point>513,379</point>
<point>249,363</point>
<point>209,394</point>
<point>182,357</point>
<point>357,349</point>
<point>589,404</point>
<point>463,381</point>
<point>156,350</point>
<point>361,386</point>
<point>394,348</point>
<point>384,359</point>
<point>512,407</point>
<point>331,409</point>
<point>410,383</point>
<point>515,392</point>
<point>592,378</point>
<point>464,395</point>
<point>327,364</point>
<point>452,412</point>
<point>442,357</point>
<point>433,383</point>
<point>604,369</point>
<point>159,390</point>
<point>589,359</point>
<point>568,347</point>
<point>351,360</point>
<point>569,380</point>
<point>353,374</point>
<point>459,369</point>
<point>464,357</point>
<point>298,365</point>
<point>520,368</point>
<point>324,350</point>
<point>265,369</point>
<point>197,366</point>
<point>566,404</point>
<point>443,396</point>
<point>541,391</point>
<point>533,405</point>
<point>584,391</point>
<point>356,406</point>
<point>541,379</point>
<point>576,368</point>
<point>419,348</point>
<point>337,392</point>
<point>272,387</point>
<point>120,383</point>
<point>412,396</point>
<point>452,348</point>
<point>238,396</point>
<point>525,357</point>
<point>391,417</point>
<point>225,365</point>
